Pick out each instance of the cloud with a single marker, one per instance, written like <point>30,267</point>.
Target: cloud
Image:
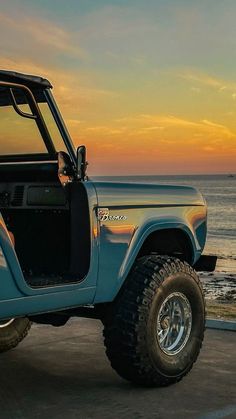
<point>166,133</point>
<point>208,80</point>
<point>151,123</point>
<point>170,120</point>
<point>41,32</point>
<point>219,128</point>
<point>202,78</point>
<point>154,128</point>
<point>73,90</point>
<point>105,130</point>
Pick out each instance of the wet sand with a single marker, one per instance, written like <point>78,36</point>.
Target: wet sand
<point>220,290</point>
<point>219,286</point>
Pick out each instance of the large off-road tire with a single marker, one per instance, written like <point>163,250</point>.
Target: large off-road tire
<point>155,327</point>
<point>12,332</point>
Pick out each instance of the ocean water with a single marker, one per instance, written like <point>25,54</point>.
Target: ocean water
<point>220,194</point>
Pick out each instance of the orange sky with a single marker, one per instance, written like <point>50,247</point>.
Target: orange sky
<point>147,91</point>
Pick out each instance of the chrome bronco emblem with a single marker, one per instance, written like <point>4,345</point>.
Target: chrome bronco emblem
<point>104,215</point>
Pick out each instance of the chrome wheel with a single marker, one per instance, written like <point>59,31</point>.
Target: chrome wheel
<point>174,323</point>
<point>5,323</point>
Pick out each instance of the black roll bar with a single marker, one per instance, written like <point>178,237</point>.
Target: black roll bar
<point>36,113</point>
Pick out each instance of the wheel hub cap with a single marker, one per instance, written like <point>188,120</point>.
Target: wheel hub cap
<point>174,323</point>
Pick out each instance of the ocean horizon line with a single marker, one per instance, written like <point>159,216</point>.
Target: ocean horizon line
<point>229,175</point>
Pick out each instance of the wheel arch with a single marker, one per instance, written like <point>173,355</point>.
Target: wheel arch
<point>144,241</point>
<point>173,239</point>
<point>168,241</point>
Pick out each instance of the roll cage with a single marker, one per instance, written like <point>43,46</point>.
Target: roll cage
<point>17,89</point>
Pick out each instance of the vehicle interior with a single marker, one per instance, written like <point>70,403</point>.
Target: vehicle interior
<point>47,213</point>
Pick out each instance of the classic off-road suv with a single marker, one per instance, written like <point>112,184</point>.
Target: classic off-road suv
<point>120,252</point>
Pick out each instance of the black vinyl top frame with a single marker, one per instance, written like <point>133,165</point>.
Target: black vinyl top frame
<point>25,79</point>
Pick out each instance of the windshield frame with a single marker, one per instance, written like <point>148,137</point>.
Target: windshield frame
<point>60,124</point>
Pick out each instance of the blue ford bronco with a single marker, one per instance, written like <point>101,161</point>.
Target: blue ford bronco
<point>124,253</point>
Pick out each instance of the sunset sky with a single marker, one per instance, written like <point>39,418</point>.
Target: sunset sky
<point>148,86</point>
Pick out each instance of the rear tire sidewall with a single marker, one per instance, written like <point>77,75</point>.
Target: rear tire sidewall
<point>14,333</point>
<point>176,365</point>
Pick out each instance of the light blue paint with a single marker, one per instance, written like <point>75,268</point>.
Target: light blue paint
<point>147,208</point>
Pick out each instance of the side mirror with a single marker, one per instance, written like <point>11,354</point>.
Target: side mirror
<point>81,162</point>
